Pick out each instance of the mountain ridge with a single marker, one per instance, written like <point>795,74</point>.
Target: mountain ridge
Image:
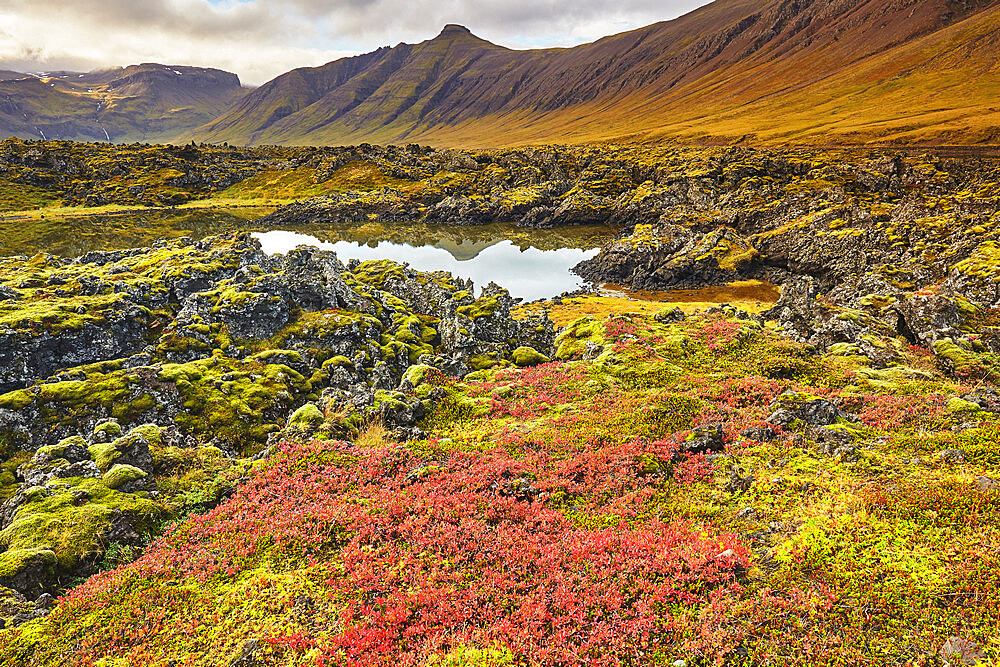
<point>765,72</point>
<point>146,102</point>
<point>720,57</point>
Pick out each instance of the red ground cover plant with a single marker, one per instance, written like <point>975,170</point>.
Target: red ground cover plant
<point>717,334</point>
<point>526,393</point>
<point>418,557</point>
<point>891,411</point>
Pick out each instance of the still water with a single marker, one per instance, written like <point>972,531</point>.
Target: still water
<point>531,264</point>
<point>527,272</point>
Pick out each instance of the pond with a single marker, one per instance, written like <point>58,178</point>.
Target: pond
<point>528,272</point>
<point>530,263</point>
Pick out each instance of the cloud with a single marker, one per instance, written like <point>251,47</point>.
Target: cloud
<point>259,39</point>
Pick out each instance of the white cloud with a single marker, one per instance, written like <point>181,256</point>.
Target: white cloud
<point>259,39</point>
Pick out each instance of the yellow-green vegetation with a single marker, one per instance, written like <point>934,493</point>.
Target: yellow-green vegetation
<point>646,487</point>
<point>749,296</point>
<point>21,197</point>
<point>528,356</point>
<point>70,518</point>
<point>870,514</point>
<point>200,354</point>
<point>36,175</point>
<point>742,209</point>
<point>234,400</point>
<point>302,182</point>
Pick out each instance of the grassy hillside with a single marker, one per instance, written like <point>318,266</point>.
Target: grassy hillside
<point>757,71</point>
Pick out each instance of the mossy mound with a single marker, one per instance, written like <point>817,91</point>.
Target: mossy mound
<point>528,356</point>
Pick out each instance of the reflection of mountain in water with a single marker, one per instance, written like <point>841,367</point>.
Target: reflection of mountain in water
<point>463,251</point>
<point>70,237</point>
<point>530,263</point>
<point>463,242</point>
<point>528,273</point>
<point>466,250</point>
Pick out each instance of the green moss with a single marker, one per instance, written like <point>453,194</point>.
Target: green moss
<point>104,454</point>
<point>794,400</point>
<point>58,450</point>
<point>16,400</point>
<point>14,561</point>
<point>120,394</point>
<point>239,400</point>
<point>482,307</point>
<point>152,433</point>
<point>528,356</point>
<point>572,342</point>
<point>957,405</point>
<point>415,375</point>
<point>121,474</point>
<point>894,379</point>
<point>53,519</point>
<point>481,362</point>
<point>468,656</point>
<point>278,356</point>
<point>56,314</point>
<point>959,360</point>
<point>378,273</point>
<point>416,333</point>
<point>337,361</point>
<point>108,429</point>
<point>479,376</point>
<point>307,415</point>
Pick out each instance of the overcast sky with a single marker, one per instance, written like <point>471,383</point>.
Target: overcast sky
<point>259,39</point>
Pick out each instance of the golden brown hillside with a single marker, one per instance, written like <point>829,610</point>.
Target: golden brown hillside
<point>761,71</point>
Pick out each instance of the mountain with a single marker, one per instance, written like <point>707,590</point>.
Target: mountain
<point>766,71</point>
<point>147,102</point>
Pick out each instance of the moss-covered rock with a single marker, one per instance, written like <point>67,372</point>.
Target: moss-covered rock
<point>528,356</point>
<point>307,415</point>
<point>28,570</point>
<point>580,338</point>
<point>122,475</point>
<point>416,374</point>
<point>69,521</point>
<point>957,405</point>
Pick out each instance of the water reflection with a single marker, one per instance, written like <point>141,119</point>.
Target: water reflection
<point>74,236</point>
<point>527,272</point>
<point>531,263</point>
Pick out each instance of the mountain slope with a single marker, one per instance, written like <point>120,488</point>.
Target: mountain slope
<point>695,77</point>
<point>147,102</point>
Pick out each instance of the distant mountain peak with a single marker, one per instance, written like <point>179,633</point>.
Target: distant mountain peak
<point>453,29</point>
<point>454,32</point>
<point>144,102</point>
<point>790,63</point>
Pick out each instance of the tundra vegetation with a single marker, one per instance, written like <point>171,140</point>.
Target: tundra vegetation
<point>212,455</point>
